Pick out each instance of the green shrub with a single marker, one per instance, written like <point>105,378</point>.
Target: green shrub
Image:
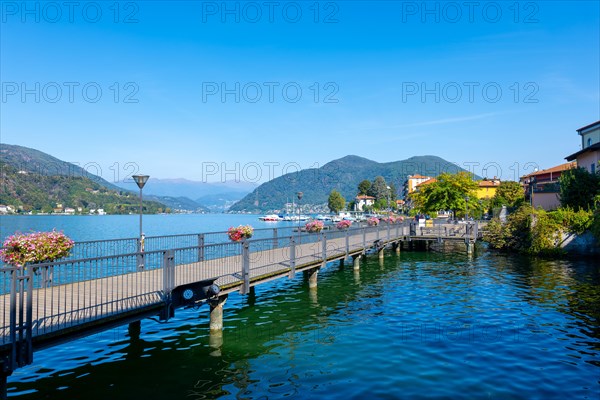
<point>573,221</point>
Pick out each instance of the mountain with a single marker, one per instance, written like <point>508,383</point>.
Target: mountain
<point>39,163</point>
<point>343,175</point>
<point>27,191</point>
<point>36,181</point>
<point>194,189</point>
<point>220,202</point>
<point>216,197</point>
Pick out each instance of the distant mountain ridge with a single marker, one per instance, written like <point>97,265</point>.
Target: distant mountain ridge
<point>36,180</point>
<point>343,175</point>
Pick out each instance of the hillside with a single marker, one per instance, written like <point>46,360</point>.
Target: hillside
<point>28,174</point>
<point>344,175</point>
<point>27,191</point>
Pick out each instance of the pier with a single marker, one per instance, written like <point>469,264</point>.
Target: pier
<point>108,283</point>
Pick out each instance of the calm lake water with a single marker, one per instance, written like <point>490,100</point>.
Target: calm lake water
<point>418,325</point>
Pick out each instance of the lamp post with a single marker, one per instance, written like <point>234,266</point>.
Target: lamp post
<point>531,185</point>
<point>466,208</point>
<point>299,195</point>
<point>141,180</point>
<point>388,198</point>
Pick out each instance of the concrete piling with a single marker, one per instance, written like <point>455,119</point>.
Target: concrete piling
<point>216,313</point>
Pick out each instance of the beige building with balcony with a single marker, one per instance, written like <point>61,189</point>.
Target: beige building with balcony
<point>589,155</point>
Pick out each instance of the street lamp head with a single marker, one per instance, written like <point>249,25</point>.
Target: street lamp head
<point>300,194</point>
<point>140,180</point>
<point>466,198</point>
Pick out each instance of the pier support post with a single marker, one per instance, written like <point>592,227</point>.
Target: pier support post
<point>215,342</point>
<point>397,248</point>
<point>252,295</point>
<point>134,329</point>
<point>469,247</point>
<point>216,313</point>
<point>312,278</point>
<point>380,253</point>
<point>356,262</point>
<point>341,263</point>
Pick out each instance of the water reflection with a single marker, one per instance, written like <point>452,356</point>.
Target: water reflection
<point>416,317</point>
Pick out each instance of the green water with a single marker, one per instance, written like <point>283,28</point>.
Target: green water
<point>418,325</point>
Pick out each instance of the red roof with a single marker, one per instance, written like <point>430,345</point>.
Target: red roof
<point>488,183</point>
<point>558,168</point>
<point>427,182</point>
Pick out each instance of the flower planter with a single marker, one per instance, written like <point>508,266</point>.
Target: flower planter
<point>35,248</point>
<point>240,233</point>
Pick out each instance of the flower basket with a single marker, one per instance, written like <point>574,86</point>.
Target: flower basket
<point>35,248</point>
<point>314,226</point>
<point>240,233</point>
<point>344,224</point>
<point>373,221</point>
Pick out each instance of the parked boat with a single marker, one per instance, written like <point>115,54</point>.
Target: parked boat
<point>271,218</point>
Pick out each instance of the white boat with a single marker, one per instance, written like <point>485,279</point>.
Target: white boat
<point>271,218</point>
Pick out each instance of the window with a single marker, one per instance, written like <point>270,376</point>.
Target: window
<point>589,142</point>
<point>593,168</point>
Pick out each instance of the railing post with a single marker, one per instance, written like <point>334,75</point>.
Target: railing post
<point>201,247</point>
<point>168,272</point>
<point>140,255</point>
<point>292,257</point>
<point>324,247</point>
<point>347,243</point>
<point>245,289</point>
<point>388,231</point>
<point>275,244</point>
<point>13,318</point>
<point>168,266</point>
<point>476,230</point>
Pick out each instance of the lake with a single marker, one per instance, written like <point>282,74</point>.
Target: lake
<point>417,325</point>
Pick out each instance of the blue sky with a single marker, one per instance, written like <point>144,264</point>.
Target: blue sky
<point>480,84</point>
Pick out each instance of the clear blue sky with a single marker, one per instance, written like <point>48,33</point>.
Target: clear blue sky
<point>371,62</point>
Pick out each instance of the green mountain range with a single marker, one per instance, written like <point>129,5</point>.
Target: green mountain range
<point>343,175</point>
<point>35,181</point>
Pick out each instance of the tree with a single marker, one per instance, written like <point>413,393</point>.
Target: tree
<point>508,194</point>
<point>364,187</point>
<point>336,202</point>
<point>379,189</point>
<point>578,188</point>
<point>448,192</point>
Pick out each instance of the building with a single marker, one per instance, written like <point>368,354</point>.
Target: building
<point>589,155</point>
<point>486,188</point>
<point>415,180</point>
<point>424,183</point>
<point>542,187</point>
<point>363,200</point>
